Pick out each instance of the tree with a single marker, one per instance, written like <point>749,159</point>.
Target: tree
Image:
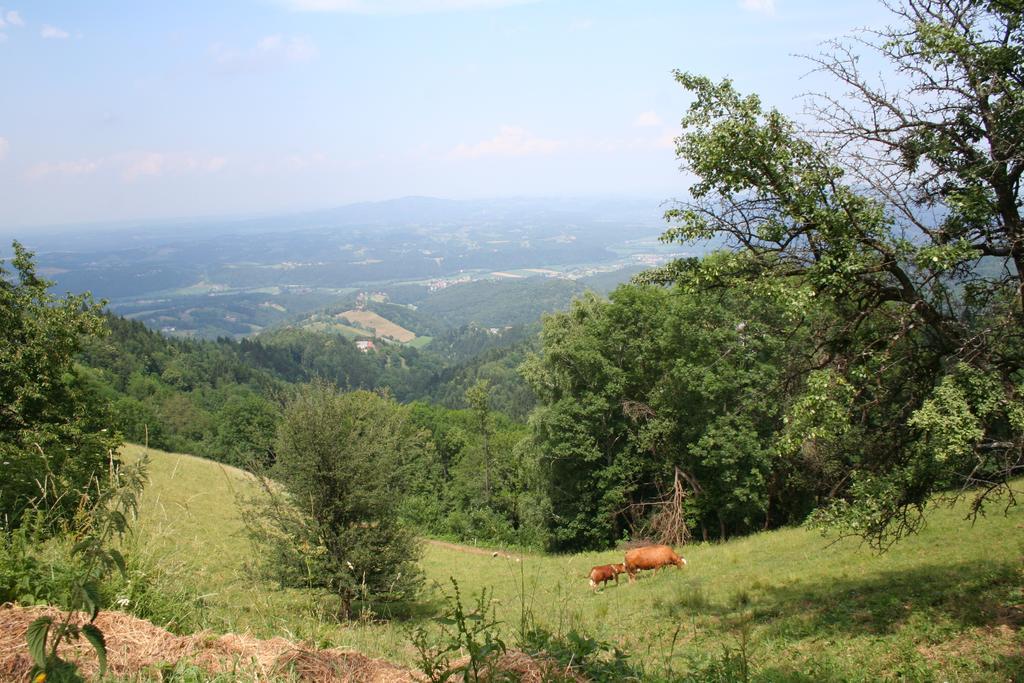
<point>342,464</point>
<point>479,402</point>
<point>54,437</point>
<point>894,222</point>
<point>245,427</point>
<point>657,389</point>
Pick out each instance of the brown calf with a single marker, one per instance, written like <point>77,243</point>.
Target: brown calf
<point>605,573</point>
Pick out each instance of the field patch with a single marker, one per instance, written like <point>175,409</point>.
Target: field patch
<point>381,326</point>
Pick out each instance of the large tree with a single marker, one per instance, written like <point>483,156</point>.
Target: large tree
<point>893,215</point>
<point>54,436</point>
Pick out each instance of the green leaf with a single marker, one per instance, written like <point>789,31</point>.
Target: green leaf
<point>91,592</point>
<point>95,636</point>
<point>119,521</point>
<point>36,636</point>
<point>118,559</point>
<point>81,546</point>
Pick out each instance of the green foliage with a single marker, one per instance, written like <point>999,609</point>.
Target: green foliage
<point>101,519</point>
<point>480,490</point>
<point>894,236</point>
<point>341,461</point>
<point>655,382</point>
<point>53,432</point>
<point>497,365</point>
<point>473,633</point>
<point>155,587</point>
<point>578,653</point>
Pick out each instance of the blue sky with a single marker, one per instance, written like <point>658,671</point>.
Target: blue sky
<point>114,111</point>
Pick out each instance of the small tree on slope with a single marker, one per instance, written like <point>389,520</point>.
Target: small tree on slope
<point>329,519</point>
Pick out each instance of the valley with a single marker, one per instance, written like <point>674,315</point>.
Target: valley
<point>236,278</point>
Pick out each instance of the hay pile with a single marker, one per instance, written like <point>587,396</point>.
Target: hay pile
<point>521,667</point>
<point>135,646</point>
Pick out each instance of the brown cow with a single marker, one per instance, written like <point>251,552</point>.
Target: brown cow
<point>605,573</point>
<point>651,557</point>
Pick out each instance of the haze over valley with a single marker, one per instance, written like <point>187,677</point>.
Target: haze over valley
<point>210,278</point>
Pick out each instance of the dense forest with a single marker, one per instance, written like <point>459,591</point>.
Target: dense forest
<point>224,400</point>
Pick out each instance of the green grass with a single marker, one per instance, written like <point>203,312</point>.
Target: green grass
<point>420,342</point>
<point>944,605</point>
<point>338,328</point>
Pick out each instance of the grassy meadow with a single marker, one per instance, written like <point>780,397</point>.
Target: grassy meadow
<point>946,604</point>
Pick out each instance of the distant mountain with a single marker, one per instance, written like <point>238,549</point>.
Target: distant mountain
<point>404,211</point>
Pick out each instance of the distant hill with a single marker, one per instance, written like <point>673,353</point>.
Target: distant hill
<point>496,303</point>
<point>234,277</point>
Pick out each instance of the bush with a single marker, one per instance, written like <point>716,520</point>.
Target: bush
<point>329,519</point>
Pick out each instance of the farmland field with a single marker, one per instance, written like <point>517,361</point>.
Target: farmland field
<point>381,326</point>
<point>945,604</point>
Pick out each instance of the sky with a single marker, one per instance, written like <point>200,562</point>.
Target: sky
<point>134,110</point>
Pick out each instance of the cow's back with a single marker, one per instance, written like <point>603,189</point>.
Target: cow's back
<point>650,557</point>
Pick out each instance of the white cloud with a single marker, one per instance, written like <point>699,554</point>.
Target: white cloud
<point>581,25</point>
<point>511,141</point>
<point>3,37</point>
<point>758,6</point>
<point>4,146</point>
<point>268,52</point>
<point>647,119</point>
<point>53,32</point>
<point>148,164</point>
<point>291,49</point>
<point>139,165</point>
<point>397,6</point>
<point>214,164</point>
<point>13,18</point>
<point>132,166</point>
<point>298,162</point>
<point>63,168</point>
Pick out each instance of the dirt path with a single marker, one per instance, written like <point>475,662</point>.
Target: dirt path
<point>472,550</point>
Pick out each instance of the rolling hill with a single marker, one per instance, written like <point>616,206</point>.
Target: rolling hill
<point>788,604</point>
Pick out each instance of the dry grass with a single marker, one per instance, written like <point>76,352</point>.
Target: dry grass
<point>135,647</point>
<point>381,326</point>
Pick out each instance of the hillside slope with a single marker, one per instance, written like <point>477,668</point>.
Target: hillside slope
<point>946,603</point>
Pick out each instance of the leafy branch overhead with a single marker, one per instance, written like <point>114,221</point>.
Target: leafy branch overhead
<point>890,225</point>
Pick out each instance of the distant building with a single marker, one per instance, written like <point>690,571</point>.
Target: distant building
<point>366,346</point>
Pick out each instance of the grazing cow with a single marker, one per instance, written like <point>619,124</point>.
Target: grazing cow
<point>651,557</point>
<point>605,573</point>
